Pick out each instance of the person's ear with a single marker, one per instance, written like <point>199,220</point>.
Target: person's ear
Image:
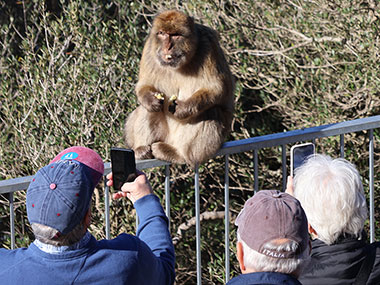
<point>312,232</point>
<point>240,256</point>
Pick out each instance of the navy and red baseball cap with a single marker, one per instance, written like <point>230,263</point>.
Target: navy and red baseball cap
<point>60,193</point>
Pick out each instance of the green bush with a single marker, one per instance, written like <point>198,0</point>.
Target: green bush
<point>68,71</point>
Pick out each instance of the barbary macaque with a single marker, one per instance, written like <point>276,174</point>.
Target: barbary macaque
<point>186,93</point>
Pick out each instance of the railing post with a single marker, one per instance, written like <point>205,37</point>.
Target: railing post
<point>284,167</point>
<point>167,192</point>
<point>371,189</point>
<point>227,217</point>
<point>341,145</point>
<point>198,226</point>
<point>256,171</point>
<point>12,220</point>
<point>107,208</point>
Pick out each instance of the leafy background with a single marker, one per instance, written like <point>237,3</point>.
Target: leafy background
<point>68,71</point>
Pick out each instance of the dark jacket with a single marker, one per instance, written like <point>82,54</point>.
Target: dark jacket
<point>267,278</point>
<point>340,263</point>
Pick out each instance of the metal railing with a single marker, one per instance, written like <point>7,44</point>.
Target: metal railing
<point>233,147</point>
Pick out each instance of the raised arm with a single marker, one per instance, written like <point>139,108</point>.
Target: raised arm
<point>158,262</point>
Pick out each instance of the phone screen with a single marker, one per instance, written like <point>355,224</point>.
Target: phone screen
<point>123,166</point>
<point>299,153</point>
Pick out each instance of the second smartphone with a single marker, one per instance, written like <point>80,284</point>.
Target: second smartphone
<point>298,154</point>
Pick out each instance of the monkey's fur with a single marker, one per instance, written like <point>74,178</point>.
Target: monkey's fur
<point>184,60</point>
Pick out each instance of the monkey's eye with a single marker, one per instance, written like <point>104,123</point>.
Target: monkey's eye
<point>176,36</point>
<point>161,35</point>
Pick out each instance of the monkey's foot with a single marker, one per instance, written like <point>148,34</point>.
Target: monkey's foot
<point>143,152</point>
<point>164,151</point>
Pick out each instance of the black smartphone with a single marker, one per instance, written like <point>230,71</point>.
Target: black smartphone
<point>298,154</point>
<point>123,166</point>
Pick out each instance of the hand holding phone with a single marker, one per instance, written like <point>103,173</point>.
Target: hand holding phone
<point>298,155</point>
<point>135,190</point>
<point>123,166</point>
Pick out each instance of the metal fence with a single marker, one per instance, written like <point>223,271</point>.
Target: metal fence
<point>233,147</point>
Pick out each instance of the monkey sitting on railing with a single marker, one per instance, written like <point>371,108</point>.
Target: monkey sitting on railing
<point>186,93</point>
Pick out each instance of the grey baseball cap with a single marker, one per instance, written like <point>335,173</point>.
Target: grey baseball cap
<point>270,216</point>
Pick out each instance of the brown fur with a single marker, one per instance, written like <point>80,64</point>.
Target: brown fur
<point>193,128</point>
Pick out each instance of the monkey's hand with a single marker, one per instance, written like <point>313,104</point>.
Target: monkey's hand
<point>151,100</point>
<point>157,102</point>
<point>172,104</point>
<point>180,109</point>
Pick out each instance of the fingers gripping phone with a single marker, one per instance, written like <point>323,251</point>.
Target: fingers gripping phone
<point>123,166</point>
<point>298,155</point>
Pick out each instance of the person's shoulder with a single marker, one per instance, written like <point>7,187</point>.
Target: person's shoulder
<point>13,252</point>
<point>240,279</point>
<point>121,242</point>
<point>375,246</point>
<point>374,277</point>
<point>8,253</point>
<point>263,278</point>
<point>11,258</point>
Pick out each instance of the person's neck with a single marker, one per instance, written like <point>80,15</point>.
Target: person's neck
<point>250,270</point>
<point>52,249</point>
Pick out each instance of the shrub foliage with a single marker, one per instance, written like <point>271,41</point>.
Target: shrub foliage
<point>68,71</point>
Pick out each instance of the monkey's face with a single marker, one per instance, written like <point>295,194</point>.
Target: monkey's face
<point>172,49</point>
<point>174,39</point>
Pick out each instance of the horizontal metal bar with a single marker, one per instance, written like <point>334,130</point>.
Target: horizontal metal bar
<point>140,164</point>
<point>17,184</point>
<point>22,183</point>
<point>299,135</point>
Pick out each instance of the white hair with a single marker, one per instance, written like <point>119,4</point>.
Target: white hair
<point>331,193</point>
<point>263,263</point>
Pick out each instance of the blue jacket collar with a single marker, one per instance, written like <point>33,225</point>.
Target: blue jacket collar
<point>266,278</point>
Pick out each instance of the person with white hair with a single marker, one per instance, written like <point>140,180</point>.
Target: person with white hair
<point>273,243</point>
<point>331,193</point>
